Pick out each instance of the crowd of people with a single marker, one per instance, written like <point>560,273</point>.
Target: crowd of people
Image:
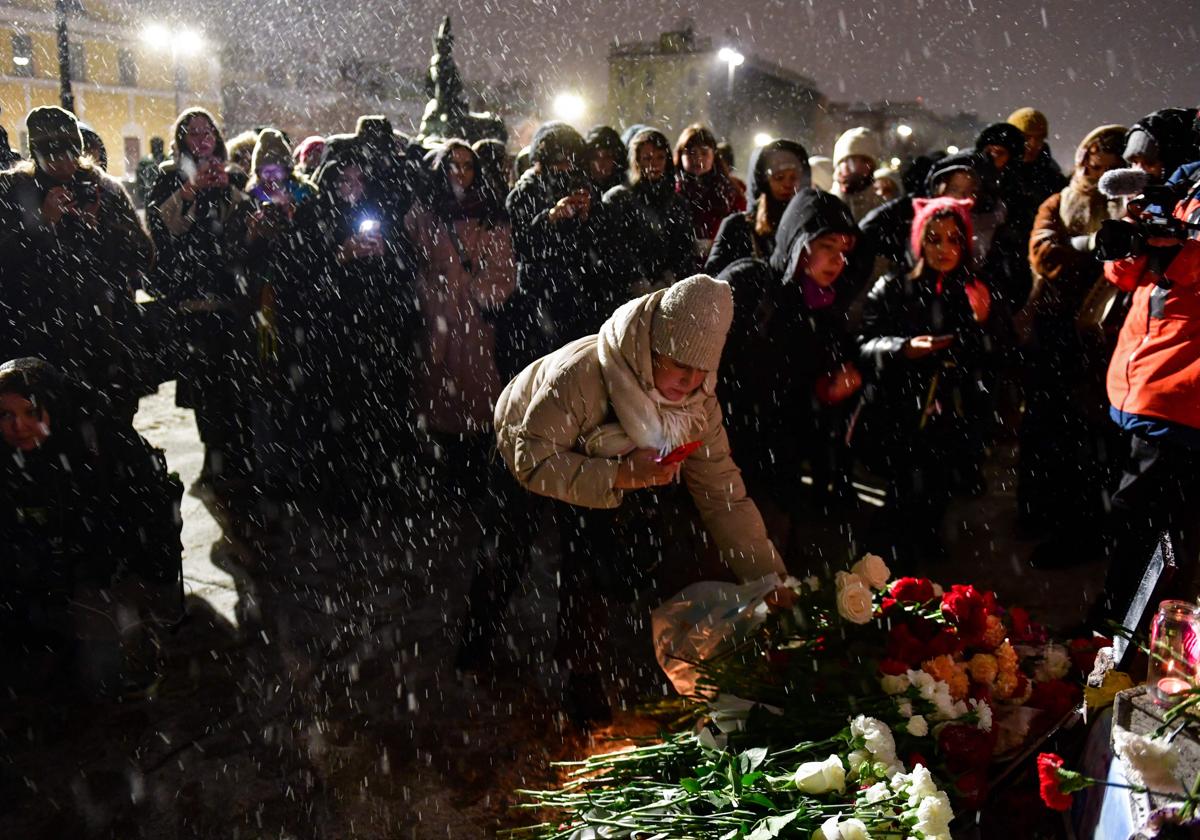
<point>582,333</point>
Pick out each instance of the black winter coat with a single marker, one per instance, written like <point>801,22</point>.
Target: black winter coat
<point>650,231</point>
<point>901,392</point>
<point>65,291</point>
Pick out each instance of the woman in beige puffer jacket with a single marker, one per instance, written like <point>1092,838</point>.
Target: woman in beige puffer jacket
<point>585,424</point>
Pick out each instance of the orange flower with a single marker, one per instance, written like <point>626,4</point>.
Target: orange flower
<point>953,674</point>
<point>994,633</point>
<point>984,668</point>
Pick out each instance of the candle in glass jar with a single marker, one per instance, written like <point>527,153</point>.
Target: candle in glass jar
<point>1168,686</point>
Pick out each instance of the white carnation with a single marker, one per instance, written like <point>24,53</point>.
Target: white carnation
<point>905,708</point>
<point>876,793</point>
<point>878,740</point>
<point>873,570</point>
<point>894,683</point>
<point>1152,762</point>
<point>921,785</point>
<point>917,726</point>
<point>984,711</point>
<point>934,815</point>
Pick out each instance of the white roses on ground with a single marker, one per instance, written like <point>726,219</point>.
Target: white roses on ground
<point>836,829</point>
<point>821,776</point>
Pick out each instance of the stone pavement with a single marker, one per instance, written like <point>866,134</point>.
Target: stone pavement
<point>312,691</point>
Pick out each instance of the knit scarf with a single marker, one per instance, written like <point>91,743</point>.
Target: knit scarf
<point>646,419</point>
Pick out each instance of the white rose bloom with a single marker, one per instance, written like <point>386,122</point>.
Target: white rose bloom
<point>905,708</point>
<point>934,815</point>
<point>853,829</point>
<point>873,570</point>
<point>828,831</point>
<point>821,776</point>
<point>894,683</point>
<point>985,714</point>
<point>917,726</point>
<point>855,760</point>
<point>854,600</point>
<point>1152,762</point>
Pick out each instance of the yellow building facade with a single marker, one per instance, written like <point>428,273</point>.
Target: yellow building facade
<point>124,87</point>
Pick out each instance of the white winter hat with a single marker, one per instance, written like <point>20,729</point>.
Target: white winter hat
<point>857,141</point>
<point>692,321</point>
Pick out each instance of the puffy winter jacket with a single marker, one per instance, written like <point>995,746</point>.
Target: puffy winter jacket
<point>1154,375</point>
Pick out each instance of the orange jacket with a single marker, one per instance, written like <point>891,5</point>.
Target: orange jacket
<point>1154,375</point>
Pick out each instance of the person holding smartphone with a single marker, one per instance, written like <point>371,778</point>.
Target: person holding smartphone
<point>923,347</point>
<point>589,426</point>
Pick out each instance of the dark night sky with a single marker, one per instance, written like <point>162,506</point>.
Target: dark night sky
<point>1084,64</point>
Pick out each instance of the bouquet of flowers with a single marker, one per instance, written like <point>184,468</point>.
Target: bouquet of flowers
<point>830,712</point>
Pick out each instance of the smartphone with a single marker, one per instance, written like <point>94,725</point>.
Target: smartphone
<point>679,454</point>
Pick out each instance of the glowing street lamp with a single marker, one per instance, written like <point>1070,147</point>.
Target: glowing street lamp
<point>762,138</point>
<point>569,107</point>
<point>953,150</point>
<point>733,59</point>
<point>179,43</point>
<point>905,131</point>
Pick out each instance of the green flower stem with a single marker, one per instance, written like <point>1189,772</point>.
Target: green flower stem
<point>1189,807</point>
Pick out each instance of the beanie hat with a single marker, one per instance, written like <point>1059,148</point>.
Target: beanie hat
<point>857,141</point>
<point>1109,139</point>
<point>310,151</point>
<point>924,209</point>
<point>1030,121</point>
<point>822,172</point>
<point>556,140</point>
<point>1141,144</point>
<point>692,321</point>
<point>51,128</point>
<point>1002,134</point>
<point>271,148</point>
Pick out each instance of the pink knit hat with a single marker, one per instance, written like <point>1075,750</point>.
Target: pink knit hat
<point>925,209</point>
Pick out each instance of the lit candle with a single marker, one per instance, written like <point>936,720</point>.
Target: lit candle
<point>1169,686</point>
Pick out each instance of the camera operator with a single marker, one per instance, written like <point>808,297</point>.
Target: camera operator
<point>1154,376</point>
<point>72,246</point>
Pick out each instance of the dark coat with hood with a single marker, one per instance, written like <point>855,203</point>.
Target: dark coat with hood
<point>565,286</point>
<point>650,231</point>
<point>92,505</point>
<point>737,237</point>
<point>898,390</point>
<point>785,335</point>
<point>66,290</point>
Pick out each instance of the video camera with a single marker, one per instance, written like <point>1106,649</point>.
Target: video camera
<point>1150,207</point>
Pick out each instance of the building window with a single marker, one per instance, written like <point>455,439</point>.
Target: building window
<point>127,69</point>
<point>22,55</point>
<point>77,62</point>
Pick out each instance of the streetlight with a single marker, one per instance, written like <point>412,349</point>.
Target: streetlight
<point>180,43</point>
<point>62,10</point>
<point>569,107</point>
<point>733,59</point>
<point>762,138</point>
<point>953,150</point>
<point>904,130</point>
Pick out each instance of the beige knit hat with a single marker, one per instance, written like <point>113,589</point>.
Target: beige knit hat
<point>1030,121</point>
<point>692,320</point>
<point>856,141</point>
<point>271,147</point>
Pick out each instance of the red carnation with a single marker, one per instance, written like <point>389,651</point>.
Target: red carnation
<point>1050,781</point>
<point>893,667</point>
<point>965,747</point>
<point>915,758</point>
<point>903,646</point>
<point>967,608</point>
<point>911,590</point>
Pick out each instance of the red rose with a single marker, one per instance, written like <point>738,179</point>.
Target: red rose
<point>1055,697</point>
<point>911,590</point>
<point>903,646</point>
<point>1050,784</point>
<point>967,608</point>
<point>893,667</point>
<point>965,747</point>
